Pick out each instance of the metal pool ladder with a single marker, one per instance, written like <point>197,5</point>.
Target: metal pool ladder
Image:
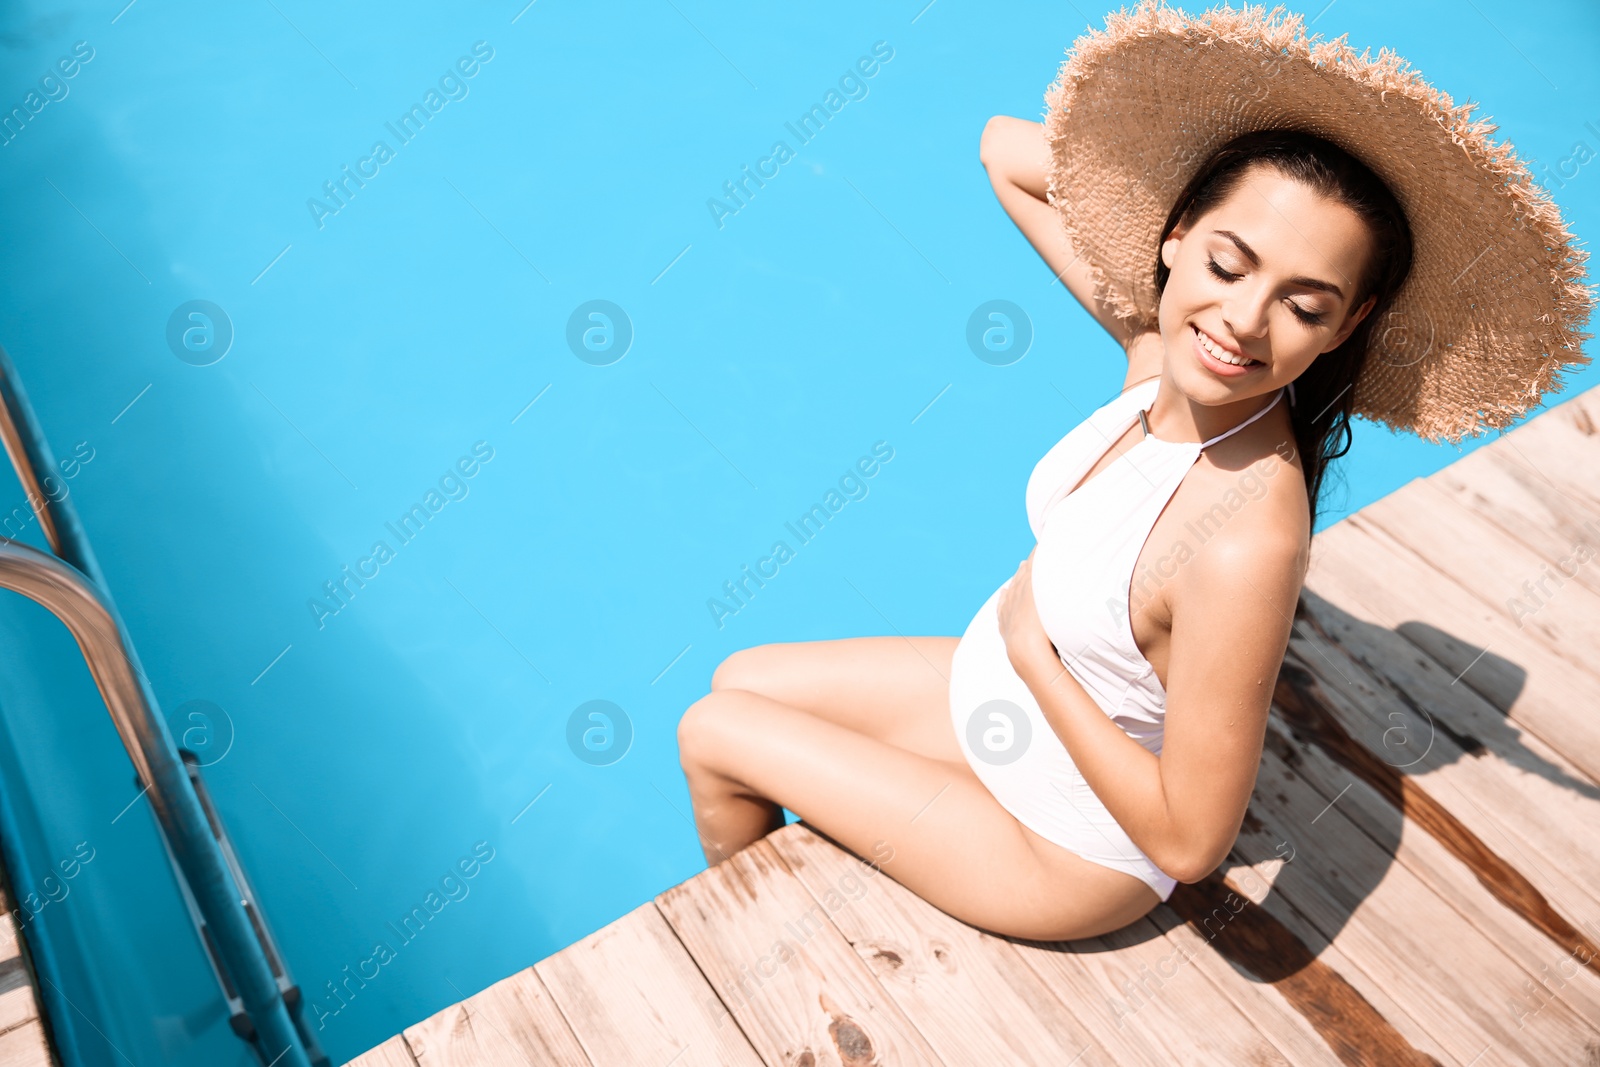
<point>71,586</point>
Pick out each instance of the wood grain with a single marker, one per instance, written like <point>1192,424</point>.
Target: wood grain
<point>1133,988</point>
<point>1559,445</point>
<point>966,991</point>
<point>1522,798</point>
<point>392,1053</point>
<point>787,975</point>
<point>1547,517</point>
<point>24,1047</point>
<point>1533,595</point>
<point>632,995</point>
<point>17,1002</point>
<point>1453,881</point>
<point>511,1023</point>
<point>1452,983</point>
<point>1371,576</point>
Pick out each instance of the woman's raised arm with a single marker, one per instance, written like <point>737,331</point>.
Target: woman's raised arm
<point>1014,153</point>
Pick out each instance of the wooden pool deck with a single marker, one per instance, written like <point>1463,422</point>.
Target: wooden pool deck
<point>22,1035</point>
<point>1417,880</point>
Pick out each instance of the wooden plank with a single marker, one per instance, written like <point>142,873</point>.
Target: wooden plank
<point>392,1053</point>
<point>1130,987</point>
<point>17,1000</point>
<point>1469,888</point>
<point>784,971</point>
<point>1544,516</point>
<point>510,1024</point>
<point>1301,1001</point>
<point>1498,569</point>
<point>1360,567</point>
<point>1559,445</point>
<point>24,1047</point>
<point>17,1007</point>
<point>1446,976</point>
<point>22,1041</point>
<point>968,992</point>
<point>632,995</point>
<point>1504,785</point>
<point>10,944</point>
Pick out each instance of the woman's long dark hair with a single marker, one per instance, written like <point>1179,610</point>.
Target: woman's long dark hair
<point>1325,391</point>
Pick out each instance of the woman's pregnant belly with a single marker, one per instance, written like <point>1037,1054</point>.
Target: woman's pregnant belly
<point>1013,750</point>
<point>990,704</point>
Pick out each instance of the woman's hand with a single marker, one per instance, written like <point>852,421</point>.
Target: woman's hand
<point>1027,645</point>
<point>1016,156</point>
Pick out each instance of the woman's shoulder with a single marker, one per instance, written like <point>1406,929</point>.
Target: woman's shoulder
<point>1251,503</point>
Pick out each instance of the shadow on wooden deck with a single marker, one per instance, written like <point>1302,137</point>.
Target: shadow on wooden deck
<point>1417,880</point>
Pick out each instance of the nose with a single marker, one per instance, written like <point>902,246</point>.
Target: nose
<point>1246,314</point>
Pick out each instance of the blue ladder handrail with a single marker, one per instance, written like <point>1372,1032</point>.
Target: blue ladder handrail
<point>73,589</point>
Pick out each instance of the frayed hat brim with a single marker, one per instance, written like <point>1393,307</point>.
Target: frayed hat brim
<point>1492,311</point>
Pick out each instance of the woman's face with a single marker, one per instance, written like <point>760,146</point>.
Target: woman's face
<point>1266,276</point>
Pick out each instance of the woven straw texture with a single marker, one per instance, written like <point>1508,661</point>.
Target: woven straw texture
<point>1492,310</point>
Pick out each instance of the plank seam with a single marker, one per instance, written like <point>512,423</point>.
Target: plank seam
<point>1508,832</point>
<point>1425,886</point>
<point>711,985</point>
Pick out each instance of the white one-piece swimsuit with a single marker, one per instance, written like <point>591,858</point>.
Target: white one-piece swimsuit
<point>1089,540</point>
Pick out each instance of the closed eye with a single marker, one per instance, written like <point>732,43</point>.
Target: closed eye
<point>1219,272</point>
<point>1310,318</point>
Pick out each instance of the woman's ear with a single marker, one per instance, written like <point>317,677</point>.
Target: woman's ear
<point>1351,322</point>
<point>1169,247</point>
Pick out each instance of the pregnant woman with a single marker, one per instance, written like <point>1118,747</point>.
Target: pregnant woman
<point>1279,234</point>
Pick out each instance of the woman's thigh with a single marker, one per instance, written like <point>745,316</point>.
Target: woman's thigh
<point>892,689</point>
<point>929,824</point>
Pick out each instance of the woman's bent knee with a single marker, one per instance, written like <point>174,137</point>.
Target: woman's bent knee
<point>691,728</point>
<point>740,669</point>
<point>702,735</point>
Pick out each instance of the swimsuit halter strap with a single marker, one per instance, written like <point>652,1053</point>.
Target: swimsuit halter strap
<point>1245,423</point>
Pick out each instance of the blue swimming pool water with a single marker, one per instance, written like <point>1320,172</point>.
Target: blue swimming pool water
<point>414,337</point>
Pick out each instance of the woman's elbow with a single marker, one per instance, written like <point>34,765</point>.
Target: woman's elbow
<point>990,144</point>
<point>986,143</point>
<point>1193,867</point>
<point>1189,873</point>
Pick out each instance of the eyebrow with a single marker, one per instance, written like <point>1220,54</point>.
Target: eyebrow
<point>1303,281</point>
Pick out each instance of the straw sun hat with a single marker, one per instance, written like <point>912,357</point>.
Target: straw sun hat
<point>1492,310</point>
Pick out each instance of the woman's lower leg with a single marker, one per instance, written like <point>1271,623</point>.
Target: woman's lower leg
<point>727,817</point>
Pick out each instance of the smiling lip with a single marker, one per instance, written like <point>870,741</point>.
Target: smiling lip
<point>1217,366</point>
